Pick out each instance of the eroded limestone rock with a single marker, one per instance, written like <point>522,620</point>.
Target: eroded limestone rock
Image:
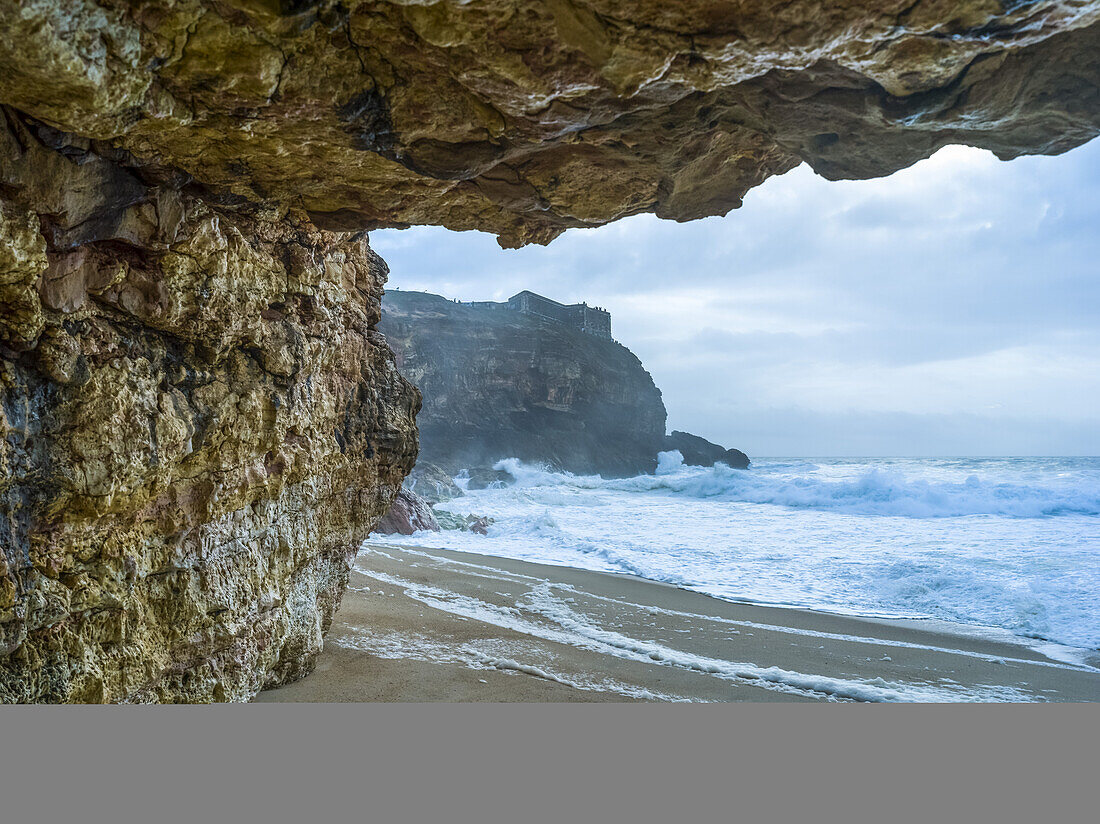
<point>198,425</point>
<point>525,118</point>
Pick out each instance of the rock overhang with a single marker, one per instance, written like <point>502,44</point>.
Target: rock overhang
<point>525,119</point>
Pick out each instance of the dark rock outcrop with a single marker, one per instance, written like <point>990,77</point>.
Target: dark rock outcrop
<point>431,483</point>
<point>500,384</point>
<point>407,514</point>
<point>481,477</point>
<point>701,452</point>
<point>465,523</point>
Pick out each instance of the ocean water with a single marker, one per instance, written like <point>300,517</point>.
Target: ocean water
<point>999,544</point>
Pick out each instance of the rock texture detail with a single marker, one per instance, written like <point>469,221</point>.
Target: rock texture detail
<point>525,118</point>
<point>500,384</point>
<point>198,424</point>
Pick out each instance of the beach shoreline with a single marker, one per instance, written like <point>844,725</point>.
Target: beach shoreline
<point>438,625</point>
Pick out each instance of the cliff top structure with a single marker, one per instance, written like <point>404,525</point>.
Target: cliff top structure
<point>590,319</point>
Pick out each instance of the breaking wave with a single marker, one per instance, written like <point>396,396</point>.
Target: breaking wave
<point>874,491</point>
<point>1005,543</point>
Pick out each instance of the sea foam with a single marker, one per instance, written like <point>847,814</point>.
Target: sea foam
<point>874,492</point>
<point>1006,544</point>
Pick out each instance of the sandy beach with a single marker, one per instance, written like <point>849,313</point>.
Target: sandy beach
<point>434,625</point>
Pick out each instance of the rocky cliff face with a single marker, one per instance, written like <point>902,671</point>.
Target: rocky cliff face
<point>198,424</point>
<point>501,384</point>
<point>199,421</point>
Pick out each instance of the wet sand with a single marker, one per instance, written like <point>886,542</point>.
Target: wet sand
<point>434,625</point>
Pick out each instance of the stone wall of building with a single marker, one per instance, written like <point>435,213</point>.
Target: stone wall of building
<point>578,315</point>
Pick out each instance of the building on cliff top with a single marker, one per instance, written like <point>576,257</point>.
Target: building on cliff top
<point>590,319</point>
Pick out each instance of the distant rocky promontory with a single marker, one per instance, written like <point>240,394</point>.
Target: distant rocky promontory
<point>499,382</point>
<point>533,379</point>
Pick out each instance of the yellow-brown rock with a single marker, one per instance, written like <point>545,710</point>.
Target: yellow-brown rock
<point>198,425</point>
<point>525,118</point>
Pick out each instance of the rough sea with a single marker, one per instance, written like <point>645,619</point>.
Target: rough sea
<point>996,545</point>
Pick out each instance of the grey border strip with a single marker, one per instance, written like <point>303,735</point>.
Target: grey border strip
<point>561,763</point>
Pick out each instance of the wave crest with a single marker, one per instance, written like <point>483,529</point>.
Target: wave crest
<point>874,492</point>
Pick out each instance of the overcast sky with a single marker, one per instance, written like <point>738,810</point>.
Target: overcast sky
<point>950,309</point>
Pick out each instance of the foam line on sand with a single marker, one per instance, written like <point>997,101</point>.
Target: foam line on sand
<point>431,625</point>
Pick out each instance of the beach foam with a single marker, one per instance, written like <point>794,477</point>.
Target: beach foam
<point>1011,544</point>
<point>544,611</point>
